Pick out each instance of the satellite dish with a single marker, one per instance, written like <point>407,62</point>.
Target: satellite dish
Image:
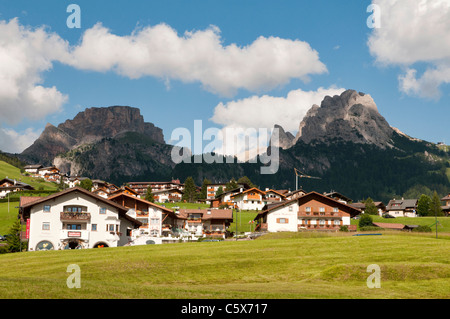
<point>149,242</point>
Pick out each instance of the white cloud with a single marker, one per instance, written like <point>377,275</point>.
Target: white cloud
<point>15,142</point>
<point>266,111</point>
<point>414,32</point>
<point>249,122</point>
<point>24,55</point>
<point>197,56</point>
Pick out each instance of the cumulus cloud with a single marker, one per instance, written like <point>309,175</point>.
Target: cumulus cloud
<point>12,141</point>
<point>25,54</point>
<point>266,111</point>
<point>197,56</point>
<point>411,33</point>
<point>248,123</point>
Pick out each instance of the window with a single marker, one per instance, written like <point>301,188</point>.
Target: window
<point>322,209</point>
<point>46,208</point>
<point>336,210</point>
<point>283,220</point>
<point>291,208</point>
<point>308,209</point>
<point>94,227</point>
<point>45,226</point>
<point>110,227</point>
<point>154,221</point>
<point>73,226</point>
<point>322,222</point>
<point>74,209</point>
<point>337,222</point>
<point>102,210</point>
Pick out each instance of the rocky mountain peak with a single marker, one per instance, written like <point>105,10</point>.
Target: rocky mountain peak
<point>89,126</point>
<point>352,117</point>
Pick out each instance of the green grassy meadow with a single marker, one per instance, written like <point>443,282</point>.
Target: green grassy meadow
<point>7,170</point>
<point>294,265</point>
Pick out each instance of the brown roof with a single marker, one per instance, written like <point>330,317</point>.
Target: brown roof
<point>351,210</point>
<point>139,200</point>
<point>446,198</point>
<point>390,225</point>
<point>254,189</point>
<point>28,199</point>
<point>121,209</point>
<point>214,213</point>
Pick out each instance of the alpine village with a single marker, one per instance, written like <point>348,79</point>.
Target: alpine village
<point>61,205</point>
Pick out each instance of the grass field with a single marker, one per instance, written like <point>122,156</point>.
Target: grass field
<point>294,265</point>
<point>7,170</point>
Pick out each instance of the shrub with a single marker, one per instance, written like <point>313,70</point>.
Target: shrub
<point>343,228</point>
<point>370,228</point>
<point>422,229</point>
<point>365,220</point>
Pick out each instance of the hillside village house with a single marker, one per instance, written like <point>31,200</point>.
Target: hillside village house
<point>48,171</point>
<point>251,199</point>
<point>402,207</point>
<point>273,196</point>
<point>155,220</point>
<point>312,211</point>
<point>172,195</point>
<point>339,197</point>
<point>205,222</point>
<point>141,187</point>
<point>446,207</point>
<point>73,219</point>
<point>294,194</point>
<point>32,169</point>
<point>8,185</point>
<point>379,205</point>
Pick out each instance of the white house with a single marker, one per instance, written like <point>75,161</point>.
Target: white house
<point>312,211</point>
<point>156,220</point>
<point>168,195</point>
<point>251,199</point>
<point>75,218</point>
<point>402,207</point>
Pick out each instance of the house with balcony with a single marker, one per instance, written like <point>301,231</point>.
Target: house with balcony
<point>172,195</point>
<point>8,185</point>
<point>251,199</point>
<point>446,207</point>
<point>206,222</point>
<point>74,219</point>
<point>312,211</point>
<point>402,207</point>
<point>156,220</point>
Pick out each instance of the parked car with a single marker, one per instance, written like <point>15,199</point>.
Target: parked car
<point>2,238</point>
<point>388,216</point>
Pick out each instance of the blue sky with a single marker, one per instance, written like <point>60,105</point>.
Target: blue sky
<point>336,32</point>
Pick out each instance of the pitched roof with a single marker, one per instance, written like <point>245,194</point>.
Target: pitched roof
<point>401,204</point>
<point>390,225</point>
<point>121,209</point>
<point>207,214</point>
<point>112,197</point>
<point>254,189</point>
<point>305,198</point>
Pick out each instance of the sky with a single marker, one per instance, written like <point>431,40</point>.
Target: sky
<point>228,63</point>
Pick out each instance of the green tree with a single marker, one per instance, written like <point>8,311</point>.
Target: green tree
<point>424,205</point>
<point>232,184</point>
<point>149,195</point>
<point>190,190</point>
<point>204,190</point>
<point>13,239</point>
<point>365,220</point>
<point>246,180</point>
<point>435,205</point>
<point>370,208</point>
<point>219,191</point>
<point>86,184</point>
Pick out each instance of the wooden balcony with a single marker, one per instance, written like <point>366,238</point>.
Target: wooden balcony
<point>75,216</point>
